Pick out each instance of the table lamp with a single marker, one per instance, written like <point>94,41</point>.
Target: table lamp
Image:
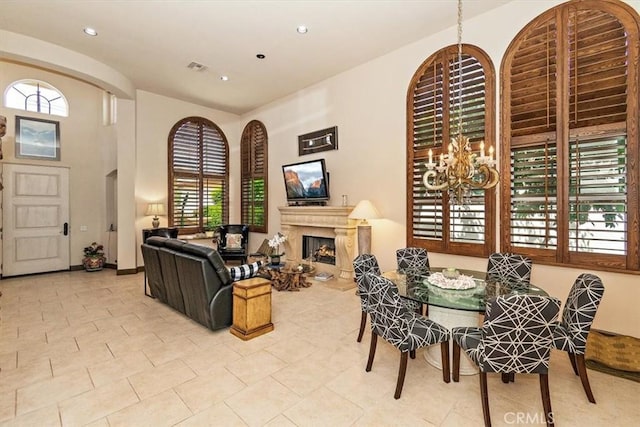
<point>364,210</point>
<point>155,209</point>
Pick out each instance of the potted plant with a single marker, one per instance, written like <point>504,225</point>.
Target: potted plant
<point>274,244</point>
<point>94,258</point>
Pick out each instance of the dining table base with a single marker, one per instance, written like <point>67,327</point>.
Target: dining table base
<point>450,318</point>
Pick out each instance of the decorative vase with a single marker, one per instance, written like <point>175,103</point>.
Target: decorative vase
<point>93,263</point>
<point>275,260</point>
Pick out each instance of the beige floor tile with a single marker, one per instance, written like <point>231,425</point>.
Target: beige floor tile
<point>8,361</point>
<point>116,369</point>
<point>205,361</point>
<point>28,355</point>
<point>56,389</point>
<point>164,352</point>
<point>121,346</point>
<point>59,333</point>
<point>255,366</point>
<point>7,405</point>
<point>293,349</point>
<point>260,402</point>
<point>43,417</point>
<point>164,409</point>
<point>324,407</point>
<point>218,415</point>
<point>99,337</point>
<point>62,364</point>
<point>23,376</point>
<point>160,378</point>
<point>102,422</point>
<point>98,403</point>
<point>280,421</point>
<point>207,390</point>
<point>305,376</point>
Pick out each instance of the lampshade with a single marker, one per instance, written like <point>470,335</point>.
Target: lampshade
<point>155,209</point>
<point>364,210</point>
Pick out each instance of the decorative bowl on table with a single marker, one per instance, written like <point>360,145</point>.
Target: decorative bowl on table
<point>450,273</point>
<point>458,282</point>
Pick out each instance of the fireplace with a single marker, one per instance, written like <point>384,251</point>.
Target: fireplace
<point>323,222</point>
<point>319,249</point>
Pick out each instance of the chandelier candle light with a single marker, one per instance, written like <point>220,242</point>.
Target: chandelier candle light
<point>461,170</point>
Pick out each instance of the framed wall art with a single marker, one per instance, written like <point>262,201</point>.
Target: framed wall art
<point>37,138</point>
<point>320,140</point>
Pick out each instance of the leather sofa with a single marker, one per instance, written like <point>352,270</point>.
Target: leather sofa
<point>190,278</point>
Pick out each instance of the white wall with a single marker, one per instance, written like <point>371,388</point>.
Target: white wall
<point>84,142</point>
<point>367,104</point>
<point>155,116</point>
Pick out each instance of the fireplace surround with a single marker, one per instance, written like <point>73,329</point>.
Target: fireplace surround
<point>321,221</point>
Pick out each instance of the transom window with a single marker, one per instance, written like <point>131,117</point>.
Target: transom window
<point>198,176</point>
<point>570,139</point>
<point>36,96</point>
<point>438,93</point>
<point>254,176</point>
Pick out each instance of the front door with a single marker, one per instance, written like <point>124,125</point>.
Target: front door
<point>35,219</point>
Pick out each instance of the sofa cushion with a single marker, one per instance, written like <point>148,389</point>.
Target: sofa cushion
<point>234,241</point>
<point>245,271</point>
<point>156,241</point>
<point>174,244</point>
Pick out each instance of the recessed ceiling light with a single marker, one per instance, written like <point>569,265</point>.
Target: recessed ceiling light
<point>90,31</point>
<point>302,29</point>
<point>224,78</point>
<point>260,56</point>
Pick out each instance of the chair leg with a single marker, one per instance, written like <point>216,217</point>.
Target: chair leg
<point>412,354</point>
<point>363,322</point>
<point>582,370</point>
<point>512,377</point>
<point>372,350</point>
<point>456,362</point>
<point>485,399</point>
<point>505,378</point>
<point>572,359</point>
<point>401,373</point>
<point>446,370</point>
<point>546,399</point>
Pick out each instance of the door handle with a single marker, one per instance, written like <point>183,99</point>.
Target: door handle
<point>65,229</point>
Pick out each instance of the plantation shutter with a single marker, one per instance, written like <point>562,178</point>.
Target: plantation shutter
<point>436,100</point>
<point>580,132</point>
<point>198,176</point>
<point>254,176</point>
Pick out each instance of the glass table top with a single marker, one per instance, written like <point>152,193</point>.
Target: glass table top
<point>416,286</point>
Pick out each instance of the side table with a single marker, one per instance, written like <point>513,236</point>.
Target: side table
<point>251,308</point>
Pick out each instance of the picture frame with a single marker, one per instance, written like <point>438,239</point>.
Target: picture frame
<point>37,138</point>
<point>320,140</point>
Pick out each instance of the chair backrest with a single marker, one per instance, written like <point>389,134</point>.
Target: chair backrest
<point>413,259</point>
<point>233,237</point>
<point>517,334</point>
<point>386,309</point>
<point>362,264</point>
<point>581,307</point>
<point>509,267</point>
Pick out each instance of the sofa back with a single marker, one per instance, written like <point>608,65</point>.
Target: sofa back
<point>151,257</point>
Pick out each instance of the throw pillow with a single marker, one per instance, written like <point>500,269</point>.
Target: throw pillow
<point>245,271</point>
<point>234,241</point>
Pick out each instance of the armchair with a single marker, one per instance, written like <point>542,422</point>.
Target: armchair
<point>233,242</point>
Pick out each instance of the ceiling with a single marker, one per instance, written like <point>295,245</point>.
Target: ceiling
<point>151,42</point>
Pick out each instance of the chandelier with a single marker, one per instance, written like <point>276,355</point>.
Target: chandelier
<point>461,170</point>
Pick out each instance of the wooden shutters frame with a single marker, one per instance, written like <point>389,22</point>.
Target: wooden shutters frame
<point>248,144</point>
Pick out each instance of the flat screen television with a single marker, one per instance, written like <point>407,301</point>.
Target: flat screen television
<point>306,182</point>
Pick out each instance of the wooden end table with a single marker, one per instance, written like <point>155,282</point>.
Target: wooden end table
<point>251,308</point>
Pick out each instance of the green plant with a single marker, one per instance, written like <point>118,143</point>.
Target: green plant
<point>94,250</point>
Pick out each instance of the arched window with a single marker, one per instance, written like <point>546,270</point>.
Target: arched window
<point>37,96</point>
<point>570,137</point>
<point>254,176</point>
<point>434,100</point>
<point>198,176</point>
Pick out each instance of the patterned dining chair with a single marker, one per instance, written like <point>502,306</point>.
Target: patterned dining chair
<point>509,267</point>
<point>516,337</point>
<point>413,260</point>
<point>401,327</point>
<point>362,264</point>
<point>577,316</point>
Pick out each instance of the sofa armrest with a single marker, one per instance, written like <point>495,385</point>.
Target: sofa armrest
<point>221,308</point>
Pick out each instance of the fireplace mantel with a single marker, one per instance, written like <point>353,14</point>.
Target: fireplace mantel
<point>322,221</point>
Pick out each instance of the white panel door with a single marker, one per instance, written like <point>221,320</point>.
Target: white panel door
<point>35,219</point>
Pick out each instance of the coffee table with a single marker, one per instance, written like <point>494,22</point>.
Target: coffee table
<point>289,278</point>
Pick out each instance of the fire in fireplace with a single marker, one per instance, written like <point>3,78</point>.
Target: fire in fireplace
<point>319,249</point>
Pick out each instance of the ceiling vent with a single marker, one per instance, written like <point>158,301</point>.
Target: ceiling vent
<point>196,66</point>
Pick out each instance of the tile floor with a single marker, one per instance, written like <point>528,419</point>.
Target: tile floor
<point>81,348</point>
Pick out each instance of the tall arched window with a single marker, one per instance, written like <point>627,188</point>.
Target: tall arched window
<point>198,176</point>
<point>434,100</point>
<point>254,176</point>
<point>37,96</point>
<point>570,137</point>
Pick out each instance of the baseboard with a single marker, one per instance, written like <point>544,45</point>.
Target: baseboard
<point>127,271</point>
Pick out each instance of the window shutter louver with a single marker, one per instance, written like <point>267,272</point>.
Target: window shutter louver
<point>198,197</point>
<point>254,176</point>
<point>436,97</point>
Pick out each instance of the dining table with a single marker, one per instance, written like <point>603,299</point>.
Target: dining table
<point>455,297</point>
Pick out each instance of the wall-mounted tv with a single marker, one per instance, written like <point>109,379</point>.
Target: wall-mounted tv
<point>306,182</point>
